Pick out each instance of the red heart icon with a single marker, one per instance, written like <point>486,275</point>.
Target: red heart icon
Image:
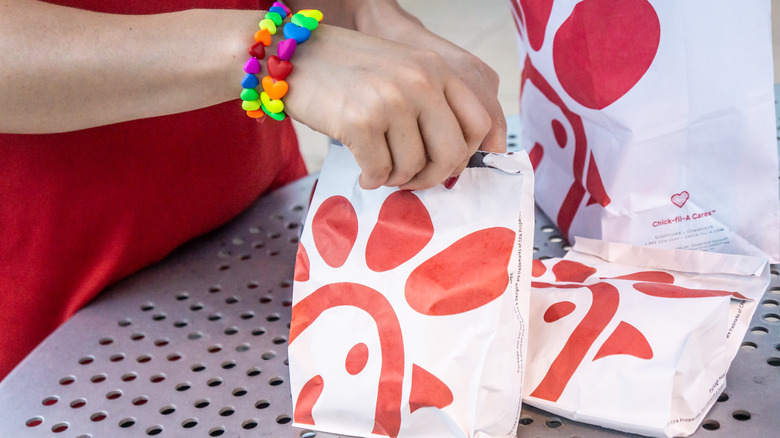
<point>279,69</point>
<point>680,198</point>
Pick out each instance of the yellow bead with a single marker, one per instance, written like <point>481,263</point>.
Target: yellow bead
<point>268,24</point>
<point>275,106</point>
<point>311,13</point>
<point>250,105</point>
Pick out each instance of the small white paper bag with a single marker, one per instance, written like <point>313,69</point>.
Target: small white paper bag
<point>410,308</point>
<point>637,339</point>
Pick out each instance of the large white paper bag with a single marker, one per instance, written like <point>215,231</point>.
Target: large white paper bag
<point>652,122</point>
<point>410,308</point>
<point>638,339</point>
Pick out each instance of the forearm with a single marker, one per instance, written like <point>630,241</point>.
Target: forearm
<point>65,69</point>
<point>379,18</point>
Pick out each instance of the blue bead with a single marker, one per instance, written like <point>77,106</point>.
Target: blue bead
<point>250,81</point>
<point>297,33</point>
<point>278,10</point>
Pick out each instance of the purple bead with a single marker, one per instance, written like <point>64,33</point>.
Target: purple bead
<point>250,81</point>
<point>286,49</point>
<point>252,66</point>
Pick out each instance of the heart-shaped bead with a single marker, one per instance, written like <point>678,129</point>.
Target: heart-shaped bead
<point>268,24</point>
<point>250,105</point>
<point>311,13</point>
<point>275,106</point>
<point>275,116</point>
<point>256,114</point>
<point>250,81</point>
<point>278,10</point>
<point>275,17</point>
<point>281,5</point>
<point>249,94</point>
<point>304,21</point>
<point>263,36</point>
<point>252,65</point>
<point>279,69</point>
<point>297,33</point>
<point>275,89</point>
<point>257,50</point>
<point>286,48</point>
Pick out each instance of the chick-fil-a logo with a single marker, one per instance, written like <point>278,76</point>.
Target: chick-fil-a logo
<point>463,277</point>
<point>625,339</point>
<point>599,52</point>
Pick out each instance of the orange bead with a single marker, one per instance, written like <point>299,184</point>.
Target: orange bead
<point>256,114</point>
<point>275,89</point>
<point>263,36</point>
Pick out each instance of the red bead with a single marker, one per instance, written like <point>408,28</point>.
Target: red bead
<point>257,50</point>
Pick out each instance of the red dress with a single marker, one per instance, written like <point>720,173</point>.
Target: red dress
<point>80,210</point>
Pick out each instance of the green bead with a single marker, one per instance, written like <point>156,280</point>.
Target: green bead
<point>275,17</point>
<point>275,116</point>
<point>304,21</point>
<point>250,105</point>
<point>249,94</point>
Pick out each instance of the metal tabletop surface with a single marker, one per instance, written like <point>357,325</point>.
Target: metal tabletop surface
<point>196,345</point>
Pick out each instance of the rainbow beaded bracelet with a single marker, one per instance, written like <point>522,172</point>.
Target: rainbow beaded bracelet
<point>297,31</point>
<point>250,98</point>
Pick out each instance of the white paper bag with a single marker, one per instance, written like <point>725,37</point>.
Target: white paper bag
<point>637,339</point>
<point>410,309</point>
<point>653,122</point>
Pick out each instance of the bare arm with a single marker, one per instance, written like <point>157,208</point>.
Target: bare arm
<point>65,69</point>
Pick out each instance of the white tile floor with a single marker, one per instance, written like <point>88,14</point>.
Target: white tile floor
<point>486,29</point>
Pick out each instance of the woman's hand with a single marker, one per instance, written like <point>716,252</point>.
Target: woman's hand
<point>408,118</point>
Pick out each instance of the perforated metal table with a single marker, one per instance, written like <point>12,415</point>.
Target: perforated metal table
<point>196,346</point>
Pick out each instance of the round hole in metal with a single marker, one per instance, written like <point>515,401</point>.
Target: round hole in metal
<point>50,401</point>
<point>168,410</point>
<point>157,378</point>
<point>126,422</point>
<point>773,361</point>
<point>265,300</point>
<point>247,315</point>
<point>276,381</point>
<point>194,336</point>
<point>231,331</point>
<point>202,403</point>
<point>137,336</point>
<point>161,342</point>
<point>252,372</point>
<point>181,323</point>
<point>144,358</point>
<point>283,419</point>
<point>119,357</point>
<point>771,318</point>
<point>268,355</point>
<point>308,434</point>
<point>231,300</point>
<point>723,397</point>
<point>59,427</point>
<point>252,285</point>
<point>67,380</point>
<point>227,411</point>
<point>217,431</point>
<point>215,317</point>
<point>184,386</point>
<point>553,423</point>
<point>140,401</point>
<point>749,346</point>
<point>159,316</point>
<point>196,307</point>
<point>189,423</point>
<point>154,430</point>
<point>249,424</point>
<point>113,395</point>
<point>239,392</point>
<point>710,425</point>
<point>215,289</point>
<point>98,416</point>
<point>759,331</point>
<point>273,317</point>
<point>105,341</point>
<point>741,415</point>
<point>214,349</point>
<point>78,403</point>
<point>148,307</point>
<point>198,367</point>
<point>86,360</point>
<point>770,303</point>
<point>124,322</point>
<point>173,357</point>
<point>525,421</point>
<point>129,377</point>
<point>228,364</point>
<point>242,348</point>
<point>34,421</point>
<point>262,404</point>
<point>214,382</point>
<point>182,296</point>
<point>279,340</point>
<point>258,331</point>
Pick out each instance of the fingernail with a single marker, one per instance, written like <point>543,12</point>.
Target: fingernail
<point>450,182</point>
